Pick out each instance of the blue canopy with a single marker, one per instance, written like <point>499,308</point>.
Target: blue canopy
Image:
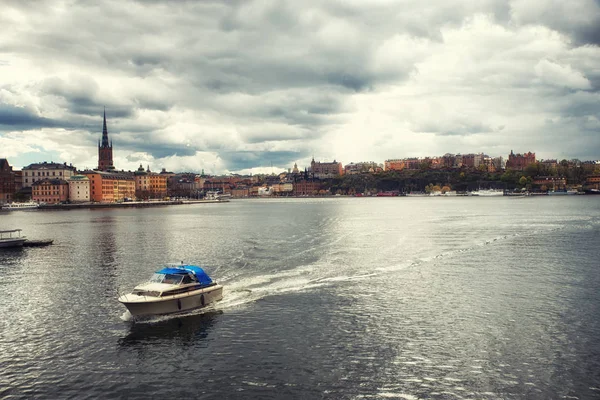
<point>203,278</point>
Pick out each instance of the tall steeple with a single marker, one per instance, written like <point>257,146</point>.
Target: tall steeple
<point>104,132</point>
<point>105,157</point>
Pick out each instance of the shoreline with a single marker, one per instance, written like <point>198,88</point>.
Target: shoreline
<point>129,204</point>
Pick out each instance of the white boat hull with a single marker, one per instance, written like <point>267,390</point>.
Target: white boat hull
<point>140,306</point>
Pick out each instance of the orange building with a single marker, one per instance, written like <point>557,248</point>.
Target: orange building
<point>50,191</point>
<point>394,165</point>
<point>149,184</point>
<point>110,187</point>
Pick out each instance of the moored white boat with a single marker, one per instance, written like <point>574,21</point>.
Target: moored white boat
<point>173,289</point>
<point>488,193</point>
<point>11,238</point>
<point>20,206</point>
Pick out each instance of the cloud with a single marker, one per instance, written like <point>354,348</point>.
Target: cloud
<point>237,85</point>
<point>563,76</point>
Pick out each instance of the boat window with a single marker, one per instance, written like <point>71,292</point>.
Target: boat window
<point>150,293</point>
<point>172,279</point>
<point>189,279</point>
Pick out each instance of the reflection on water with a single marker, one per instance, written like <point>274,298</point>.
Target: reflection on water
<point>182,329</point>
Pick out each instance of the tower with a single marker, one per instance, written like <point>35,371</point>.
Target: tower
<point>105,155</point>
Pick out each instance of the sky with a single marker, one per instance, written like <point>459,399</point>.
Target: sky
<point>230,86</point>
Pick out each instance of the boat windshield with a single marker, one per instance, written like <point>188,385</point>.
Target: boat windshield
<point>170,279</point>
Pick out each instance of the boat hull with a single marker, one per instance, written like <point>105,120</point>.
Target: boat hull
<point>141,306</point>
<point>14,242</point>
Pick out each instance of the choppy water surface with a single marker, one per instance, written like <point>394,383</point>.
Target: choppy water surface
<point>324,298</point>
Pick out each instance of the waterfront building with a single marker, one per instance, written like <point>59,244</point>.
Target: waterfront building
<point>7,182</point>
<point>306,188</point>
<point>324,170</point>
<point>50,191</point>
<point>282,188</point>
<point>79,189</point>
<point>240,191</point>
<point>46,170</point>
<point>219,184</point>
<point>149,184</point>
<point>593,181</point>
<point>110,187</point>
<point>550,182</point>
<point>520,161</point>
<point>105,150</point>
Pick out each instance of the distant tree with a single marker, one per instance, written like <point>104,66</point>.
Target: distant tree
<point>523,181</point>
<point>446,188</point>
<point>532,170</point>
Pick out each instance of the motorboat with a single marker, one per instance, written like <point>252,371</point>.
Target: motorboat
<point>173,289</point>
<point>11,238</point>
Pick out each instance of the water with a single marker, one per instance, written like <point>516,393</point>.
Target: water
<point>342,298</point>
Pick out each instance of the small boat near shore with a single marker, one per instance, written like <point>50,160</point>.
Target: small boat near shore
<point>11,238</point>
<point>172,289</point>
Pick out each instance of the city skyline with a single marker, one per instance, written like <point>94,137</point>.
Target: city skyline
<point>248,87</point>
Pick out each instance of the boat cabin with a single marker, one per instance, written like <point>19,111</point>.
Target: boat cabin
<point>183,278</point>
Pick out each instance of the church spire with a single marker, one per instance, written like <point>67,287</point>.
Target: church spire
<point>105,156</point>
<point>104,132</point>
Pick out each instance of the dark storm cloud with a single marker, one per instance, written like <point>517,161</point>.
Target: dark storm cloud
<point>157,148</point>
<point>82,97</point>
<point>13,118</point>
<point>240,160</point>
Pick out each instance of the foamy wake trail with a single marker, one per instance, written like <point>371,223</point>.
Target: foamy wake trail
<point>127,316</point>
<point>248,290</point>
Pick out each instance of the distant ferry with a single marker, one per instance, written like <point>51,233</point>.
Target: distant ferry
<point>20,206</point>
<point>488,193</point>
